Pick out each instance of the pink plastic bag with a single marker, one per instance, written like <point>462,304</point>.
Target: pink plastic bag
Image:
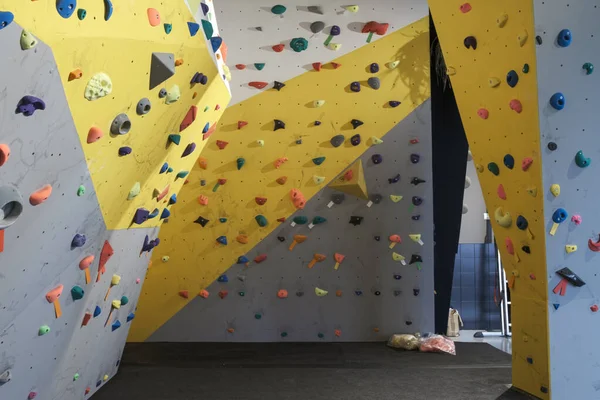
<point>437,344</point>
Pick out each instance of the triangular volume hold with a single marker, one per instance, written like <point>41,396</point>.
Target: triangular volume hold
<point>162,68</point>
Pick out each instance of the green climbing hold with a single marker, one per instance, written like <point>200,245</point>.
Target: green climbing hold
<point>581,160</point>
<point>208,29</point>
<point>170,169</point>
<point>257,316</point>
<point>278,9</point>
<point>318,160</point>
<point>318,220</point>
<point>206,108</point>
<point>222,220</point>
<point>182,174</point>
<point>75,377</point>
<point>81,190</point>
<point>124,300</point>
<point>283,334</point>
<point>242,294</point>
<point>77,293</point>
<point>261,220</point>
<point>589,68</point>
<point>299,44</point>
<point>81,14</point>
<point>168,28</point>
<point>173,138</point>
<point>320,335</point>
<point>240,163</point>
<point>43,330</point>
<point>525,68</point>
<point>300,219</point>
<point>493,168</point>
<point>259,66</point>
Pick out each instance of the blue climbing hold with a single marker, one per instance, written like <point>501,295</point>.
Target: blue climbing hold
<point>558,101</point>
<point>222,220</point>
<point>116,325</point>
<point>512,78</point>
<point>374,68</point>
<point>168,28</point>
<point>130,317</point>
<point>97,311</point>
<point>564,38</point>
<point>509,161</point>
<point>318,160</point>
<point>394,103</point>
<point>358,292</point>
<point>99,382</point>
<point>223,279</point>
<point>153,214</point>
<point>216,42</point>
<point>560,215</point>
<point>108,9</point>
<point>556,306</point>
<point>164,168</point>
<point>193,27</point>
<point>204,8</point>
<point>222,240</point>
<point>173,199</point>
<point>125,150</point>
<point>206,127</point>
<point>78,240</point>
<point>66,8</point>
<point>165,214</point>
<point>522,223</point>
<point>173,138</point>
<point>355,87</point>
<point>6,18</point>
<point>243,260</point>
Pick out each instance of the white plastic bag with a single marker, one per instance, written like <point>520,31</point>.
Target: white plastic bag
<point>406,342</point>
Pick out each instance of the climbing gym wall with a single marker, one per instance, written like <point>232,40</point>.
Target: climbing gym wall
<point>473,224</point>
<point>83,141</point>
<point>310,104</point>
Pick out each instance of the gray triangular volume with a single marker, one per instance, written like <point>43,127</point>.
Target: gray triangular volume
<point>162,68</point>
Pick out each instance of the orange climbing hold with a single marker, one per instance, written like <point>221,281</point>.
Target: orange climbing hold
<point>260,200</point>
<point>179,62</point>
<point>84,265</point>
<point>190,117</point>
<point>240,66</point>
<point>4,154</point>
<point>282,219</point>
<point>243,239</point>
<point>230,330</point>
<point>282,294</point>
<point>40,196</point>
<point>337,332</point>
<point>348,175</point>
<point>153,17</point>
<point>163,193</point>
<point>94,134</point>
<point>316,258</point>
<point>281,180</point>
<point>338,293</point>
<point>224,51</point>
<point>278,48</point>
<point>203,163</point>
<point>204,294</point>
<point>317,66</point>
<point>297,239</point>
<point>203,200</point>
<point>185,294</point>
<point>105,255</point>
<point>221,144</point>
<point>375,27</point>
<point>242,124</point>
<point>277,163</point>
<point>257,84</point>
<point>335,65</point>
<point>298,199</point>
<point>76,74</point>
<point>210,131</point>
<point>260,258</point>
<point>510,248</point>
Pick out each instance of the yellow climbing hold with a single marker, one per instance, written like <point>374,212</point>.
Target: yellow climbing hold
<point>319,103</point>
<point>318,179</point>
<point>375,140</point>
<point>352,9</point>
<point>393,64</point>
<point>135,190</point>
<point>493,82</point>
<point>502,218</point>
<point>28,41</point>
<point>571,248</point>
<point>335,46</point>
<point>501,20</point>
<point>398,257</point>
<point>522,38</point>
<point>415,237</point>
<point>165,259</point>
<point>532,191</point>
<point>320,292</point>
<point>99,85</point>
<point>227,72</point>
<point>395,198</point>
<point>479,168</point>
<point>555,189</point>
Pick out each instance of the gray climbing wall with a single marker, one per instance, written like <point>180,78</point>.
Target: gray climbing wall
<point>37,256</point>
<point>573,327</point>
<point>252,308</point>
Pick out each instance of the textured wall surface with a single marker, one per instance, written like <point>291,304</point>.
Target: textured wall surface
<point>195,258</point>
<point>368,266</point>
<point>501,119</point>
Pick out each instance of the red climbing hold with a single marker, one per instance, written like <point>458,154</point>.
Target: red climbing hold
<point>526,163</point>
<point>223,294</point>
<point>260,200</point>
<point>335,65</point>
<point>414,141</point>
<point>258,85</point>
<point>240,66</point>
<point>375,27</point>
<point>594,308</point>
<point>210,131</point>
<point>105,255</point>
<point>465,8</point>
<point>88,390</point>
<point>86,318</point>
<point>162,194</point>
<point>348,175</point>
<point>189,118</point>
<point>217,107</point>
<point>483,113</point>
<point>282,219</point>
<point>501,192</point>
<point>260,258</point>
<point>278,48</point>
<point>185,294</point>
<point>510,248</point>
<point>317,66</point>
<point>516,106</point>
<point>222,144</point>
<point>281,180</point>
<point>242,124</point>
<point>532,277</point>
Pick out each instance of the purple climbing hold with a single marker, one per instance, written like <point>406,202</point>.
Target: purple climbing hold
<point>30,104</point>
<point>150,244</point>
<point>355,87</point>
<point>395,179</point>
<point>141,215</point>
<point>374,68</point>
<point>414,158</point>
<point>394,103</point>
<point>355,140</point>
<point>317,123</point>
<point>204,8</point>
<point>200,78</point>
<point>335,30</point>
<point>377,159</point>
<point>125,150</point>
<point>78,240</point>
<point>189,149</point>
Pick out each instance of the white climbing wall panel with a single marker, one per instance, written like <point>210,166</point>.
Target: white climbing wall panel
<point>238,20</point>
<point>472,228</point>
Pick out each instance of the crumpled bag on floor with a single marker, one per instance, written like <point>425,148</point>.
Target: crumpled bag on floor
<point>437,344</point>
<point>406,342</point>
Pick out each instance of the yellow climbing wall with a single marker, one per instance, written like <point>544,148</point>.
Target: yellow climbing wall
<point>122,47</point>
<point>195,259</point>
<point>505,37</point>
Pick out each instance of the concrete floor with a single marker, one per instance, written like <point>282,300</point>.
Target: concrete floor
<point>501,343</point>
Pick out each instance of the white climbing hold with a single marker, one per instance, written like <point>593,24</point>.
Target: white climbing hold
<point>99,85</point>
<point>335,46</point>
<point>467,182</point>
<point>393,64</point>
<point>173,94</point>
<point>319,103</point>
<point>28,41</point>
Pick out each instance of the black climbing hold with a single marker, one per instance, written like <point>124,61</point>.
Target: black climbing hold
<point>512,78</point>
<point>202,182</point>
<point>355,87</point>
<point>338,198</point>
<point>395,179</point>
<point>526,68</point>
<point>552,146</point>
<point>204,8</point>
<point>526,249</point>
<point>564,38</point>
<point>299,293</point>
<point>415,158</point>
<point>279,85</point>
<point>493,168</point>
<point>355,140</point>
<point>538,39</point>
<point>543,389</point>
<point>397,277</point>
<point>355,220</point>
<point>66,8</point>
<point>202,221</point>
<point>298,141</point>
<point>415,258</point>
<point>416,181</point>
<point>356,123</point>
<point>417,201</point>
<point>529,360</point>
<point>125,150</point>
<point>377,238</point>
<point>409,323</point>
<point>374,68</point>
<point>522,223</point>
<point>470,42</point>
<point>377,293</point>
<point>337,140</point>
<point>281,238</point>
<point>374,83</point>
<point>279,124</point>
<point>317,123</point>
<point>376,158</point>
<point>30,104</point>
<point>358,292</point>
<point>509,161</point>
<point>571,276</point>
<point>397,293</point>
<point>416,292</point>
<point>416,217</point>
<point>394,103</point>
<point>376,198</point>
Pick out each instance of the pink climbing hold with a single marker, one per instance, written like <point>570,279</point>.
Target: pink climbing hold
<point>516,106</point>
<point>501,192</point>
<point>153,17</point>
<point>483,113</point>
<point>32,395</point>
<point>203,200</point>
<point>594,308</point>
<point>221,144</point>
<point>138,280</point>
<point>465,8</point>
<point>576,219</point>
<point>526,163</point>
<point>217,107</point>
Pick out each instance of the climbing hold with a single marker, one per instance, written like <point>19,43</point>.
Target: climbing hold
<point>278,9</point>
<point>318,179</point>
<point>153,17</point>
<point>374,68</point>
<point>375,27</point>
<point>281,180</point>
<point>121,125</point>
<point>174,138</point>
<point>470,42</point>
<point>29,105</point>
<point>78,240</point>
<point>501,20</point>
<point>552,146</point>
<point>335,141</point>
<point>259,66</point>
<point>143,106</point>
<point>28,41</point>
<point>558,101</point>
<point>581,160</point>
<point>173,95</point>
<point>80,190</point>
<point>576,219</point>
<point>375,140</point>
<point>162,67</point>
<point>165,214</point>
<point>216,43</point>
<point>570,248</point>
<point>222,240</point>
<point>355,87</point>
<point>374,83</point>
<point>162,93</point>
<point>483,113</point>
<point>465,8</point>
<point>516,106</point>
<point>334,31</point>
<point>589,68</point>
<point>493,168</point>
<point>356,123</point>
<point>338,198</point>
<point>522,38</point>
<point>395,179</point>
<point>355,220</point>
<point>555,189</point>
<point>279,162</point>
<point>299,44</point>
<point>108,9</point>
<point>317,26</point>
<point>65,8</point>
<point>501,192</point>
<point>278,48</point>
<point>278,85</point>
<point>202,221</point>
<point>394,103</point>
<point>522,223</point>
<point>140,216</point>
<point>509,162</point>
<point>503,219</point>
<point>6,18</point>
<point>99,85</point>
<point>416,181</point>
<point>320,292</point>
<point>168,29</point>
<point>318,103</point>
<point>164,168</point>
<point>377,159</point>
<point>512,78</point>
<point>278,124</point>
<point>77,293</point>
<point>125,150</point>
<point>189,149</point>
<point>415,158</point>
<point>318,160</point>
<point>335,65</point>
<point>525,68</point>
<point>40,196</point>
<point>355,140</point>
<point>526,249</point>
<point>194,28</point>
<point>415,258</point>
<point>493,82</point>
<point>564,38</point>
<point>261,220</point>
